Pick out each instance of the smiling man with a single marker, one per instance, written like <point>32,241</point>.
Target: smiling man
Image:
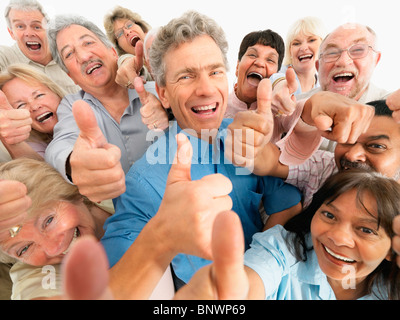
<point>188,59</point>
<point>89,58</point>
<point>27,24</point>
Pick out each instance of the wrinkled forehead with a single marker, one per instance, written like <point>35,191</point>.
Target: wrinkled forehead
<point>347,35</point>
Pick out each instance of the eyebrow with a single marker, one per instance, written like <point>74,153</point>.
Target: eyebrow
<point>193,70</point>
<point>80,39</point>
<point>334,45</point>
<point>379,137</point>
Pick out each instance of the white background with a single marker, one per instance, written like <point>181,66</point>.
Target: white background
<point>239,17</point>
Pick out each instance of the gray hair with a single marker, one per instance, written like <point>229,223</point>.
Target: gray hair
<point>24,5</point>
<point>180,30</point>
<point>64,21</point>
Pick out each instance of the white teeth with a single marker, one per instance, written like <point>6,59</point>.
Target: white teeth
<point>344,75</point>
<point>205,108</point>
<point>338,256</point>
<point>32,43</point>
<point>306,56</point>
<point>43,117</point>
<point>93,68</point>
<point>72,242</point>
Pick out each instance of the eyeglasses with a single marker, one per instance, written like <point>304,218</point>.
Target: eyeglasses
<point>127,26</point>
<point>357,51</point>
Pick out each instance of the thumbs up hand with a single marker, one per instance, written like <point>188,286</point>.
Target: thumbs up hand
<point>283,100</point>
<point>152,111</point>
<point>130,68</point>
<point>15,124</point>
<point>186,216</point>
<point>250,131</point>
<point>95,164</point>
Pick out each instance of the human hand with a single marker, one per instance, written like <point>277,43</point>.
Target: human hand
<point>152,111</point>
<point>337,117</point>
<point>187,212</point>
<point>15,124</point>
<point>393,102</point>
<point>95,164</point>
<point>14,204</point>
<point>250,131</point>
<point>225,278</point>
<point>283,100</point>
<point>130,68</point>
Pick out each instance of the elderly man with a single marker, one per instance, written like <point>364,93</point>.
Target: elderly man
<point>97,165</point>
<point>27,24</point>
<point>188,59</point>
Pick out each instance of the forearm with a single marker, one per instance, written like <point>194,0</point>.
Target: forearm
<point>22,150</point>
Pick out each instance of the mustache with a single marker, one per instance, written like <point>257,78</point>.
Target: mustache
<point>344,163</point>
<point>85,64</point>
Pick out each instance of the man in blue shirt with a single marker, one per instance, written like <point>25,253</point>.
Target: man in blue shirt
<point>189,63</point>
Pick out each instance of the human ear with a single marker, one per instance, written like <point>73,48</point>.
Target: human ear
<point>163,96</point>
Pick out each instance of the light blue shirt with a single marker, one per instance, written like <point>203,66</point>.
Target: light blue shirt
<point>284,276</point>
<point>145,186</point>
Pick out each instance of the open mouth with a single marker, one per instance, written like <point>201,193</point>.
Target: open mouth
<point>74,238</point>
<point>337,256</point>
<point>34,46</point>
<point>306,57</point>
<point>205,110</point>
<point>343,77</point>
<point>254,78</point>
<point>134,41</point>
<point>44,117</point>
<point>94,67</point>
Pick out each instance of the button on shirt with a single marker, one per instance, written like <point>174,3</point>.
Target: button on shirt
<point>145,186</point>
<point>284,276</point>
<point>130,135</point>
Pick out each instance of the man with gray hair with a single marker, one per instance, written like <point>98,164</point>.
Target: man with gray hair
<point>27,23</point>
<point>188,60</point>
<point>96,161</point>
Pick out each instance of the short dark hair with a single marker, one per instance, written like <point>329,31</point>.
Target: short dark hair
<point>381,108</point>
<point>265,38</point>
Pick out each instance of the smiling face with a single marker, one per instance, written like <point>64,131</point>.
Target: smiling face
<point>346,76</point>
<point>304,50</point>
<point>257,63</point>
<point>38,99</point>
<point>196,84</point>
<point>45,239</point>
<point>90,63</point>
<point>128,34</point>
<point>345,235</point>
<point>378,149</point>
<point>28,30</point>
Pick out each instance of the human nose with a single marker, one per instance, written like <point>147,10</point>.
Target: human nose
<point>52,244</point>
<point>341,236</point>
<point>344,58</point>
<point>356,153</point>
<point>82,55</point>
<point>205,86</point>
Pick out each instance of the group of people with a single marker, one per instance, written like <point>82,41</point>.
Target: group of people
<point>131,169</point>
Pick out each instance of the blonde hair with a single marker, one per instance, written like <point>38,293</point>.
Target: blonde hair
<point>45,187</point>
<point>30,74</point>
<point>307,26</point>
<point>122,13</point>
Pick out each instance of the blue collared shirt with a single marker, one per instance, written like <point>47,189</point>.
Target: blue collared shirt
<point>145,186</point>
<point>284,276</point>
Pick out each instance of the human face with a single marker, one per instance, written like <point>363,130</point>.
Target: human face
<point>46,239</point>
<point>346,76</point>
<point>347,237</point>
<point>41,102</point>
<point>378,149</point>
<point>128,33</point>
<point>257,63</point>
<point>90,63</point>
<point>28,30</point>
<point>196,84</point>
<point>304,50</point>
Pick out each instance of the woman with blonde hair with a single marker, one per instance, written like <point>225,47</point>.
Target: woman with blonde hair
<point>30,103</point>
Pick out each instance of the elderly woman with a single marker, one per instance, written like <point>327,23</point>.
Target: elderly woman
<point>31,101</point>
<point>260,56</point>
<point>57,217</point>
<point>301,51</point>
<point>125,29</point>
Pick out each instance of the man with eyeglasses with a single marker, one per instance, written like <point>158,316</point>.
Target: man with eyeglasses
<point>348,57</point>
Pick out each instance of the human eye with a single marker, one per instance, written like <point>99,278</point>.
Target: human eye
<point>47,222</point>
<point>295,43</point>
<point>21,105</point>
<point>357,50</point>
<point>23,250</point>
<point>119,34</point>
<point>376,147</point>
<point>368,231</point>
<point>328,215</point>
